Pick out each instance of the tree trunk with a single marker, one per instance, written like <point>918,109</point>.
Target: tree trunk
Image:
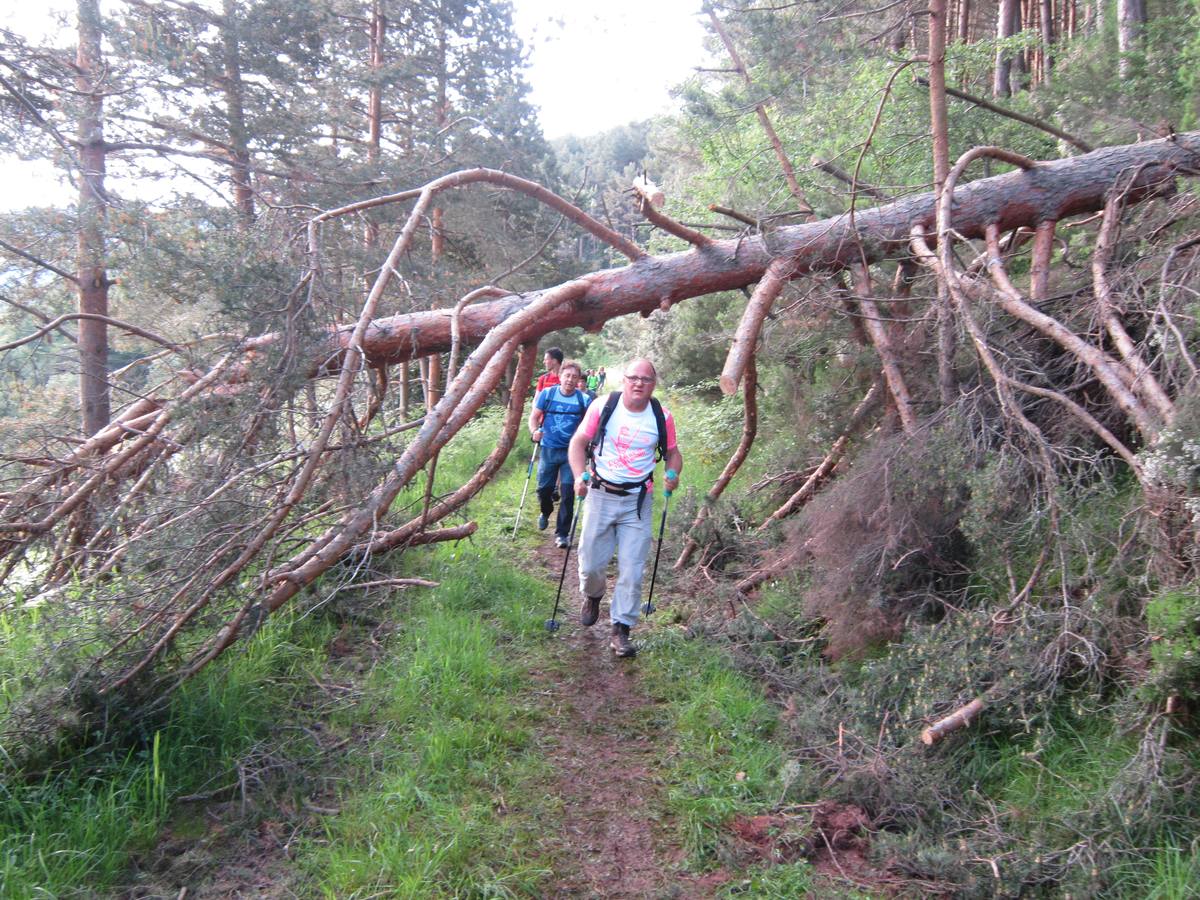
<point>947,387</point>
<point>90,257</point>
<point>243,192</point>
<point>1131,21</point>
<point>1008,23</point>
<point>1048,38</point>
<point>1050,191</point>
<point>375,39</point>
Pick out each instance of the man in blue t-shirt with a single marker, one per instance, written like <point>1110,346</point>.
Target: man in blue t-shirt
<point>557,412</point>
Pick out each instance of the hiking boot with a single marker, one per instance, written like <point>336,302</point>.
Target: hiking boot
<point>620,640</point>
<point>590,611</point>
<point>543,521</point>
<point>561,542</point>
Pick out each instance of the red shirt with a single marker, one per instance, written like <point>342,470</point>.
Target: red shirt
<point>548,380</point>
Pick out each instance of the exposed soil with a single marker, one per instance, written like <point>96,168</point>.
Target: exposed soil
<point>601,740</point>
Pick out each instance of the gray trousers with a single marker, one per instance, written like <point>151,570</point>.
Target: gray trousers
<point>611,523</point>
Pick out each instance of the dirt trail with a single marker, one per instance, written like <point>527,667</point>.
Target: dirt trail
<point>603,740</point>
<point>603,737</point>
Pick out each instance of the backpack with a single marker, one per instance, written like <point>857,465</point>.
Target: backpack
<point>660,419</point>
<point>583,402</point>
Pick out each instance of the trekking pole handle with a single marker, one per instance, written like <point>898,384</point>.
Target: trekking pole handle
<point>672,475</point>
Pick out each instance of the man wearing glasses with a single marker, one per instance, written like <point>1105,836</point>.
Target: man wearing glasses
<point>615,459</point>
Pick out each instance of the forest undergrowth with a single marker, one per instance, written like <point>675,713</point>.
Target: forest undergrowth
<point>376,745</point>
<point>368,744</point>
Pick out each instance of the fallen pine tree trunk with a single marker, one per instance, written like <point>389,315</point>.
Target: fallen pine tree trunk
<point>1050,191</point>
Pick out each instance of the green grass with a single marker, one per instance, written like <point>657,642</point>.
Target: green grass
<point>724,760</point>
<point>75,829</point>
<point>785,881</point>
<point>1045,787</point>
<point>443,809</point>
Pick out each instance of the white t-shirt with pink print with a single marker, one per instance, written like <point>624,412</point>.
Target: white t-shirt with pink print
<point>630,441</point>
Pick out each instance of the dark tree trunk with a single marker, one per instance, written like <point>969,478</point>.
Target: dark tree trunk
<point>232,87</point>
<point>90,257</point>
<point>1046,9</point>
<point>1008,23</point>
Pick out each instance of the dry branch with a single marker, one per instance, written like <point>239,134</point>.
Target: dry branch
<point>749,431</point>
<point>1015,116</point>
<point>822,472</point>
<point>956,721</point>
<point>404,535</point>
<point>1144,380</point>
<point>745,339</point>
<point>892,373</point>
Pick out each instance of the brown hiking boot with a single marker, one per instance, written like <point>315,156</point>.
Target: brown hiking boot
<point>589,612</point>
<point>620,640</point>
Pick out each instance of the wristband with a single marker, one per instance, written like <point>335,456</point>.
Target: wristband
<point>585,477</point>
<point>672,475</point>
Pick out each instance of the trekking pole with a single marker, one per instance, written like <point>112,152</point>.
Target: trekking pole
<point>662,526</point>
<point>536,447</point>
<point>552,623</point>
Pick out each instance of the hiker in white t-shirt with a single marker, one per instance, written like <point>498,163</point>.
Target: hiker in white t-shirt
<point>618,510</point>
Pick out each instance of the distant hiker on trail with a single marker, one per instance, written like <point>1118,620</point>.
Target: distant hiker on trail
<point>600,379</point>
<point>593,380</point>
<point>556,414</point>
<point>553,361</point>
<point>613,453</point>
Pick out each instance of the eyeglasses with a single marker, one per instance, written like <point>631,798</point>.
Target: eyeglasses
<point>640,379</point>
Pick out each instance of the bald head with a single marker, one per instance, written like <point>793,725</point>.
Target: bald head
<point>638,365</point>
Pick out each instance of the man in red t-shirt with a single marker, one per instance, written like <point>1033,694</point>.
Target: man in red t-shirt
<point>553,361</point>
<point>617,512</point>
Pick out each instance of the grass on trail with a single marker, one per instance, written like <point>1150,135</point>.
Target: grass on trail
<point>74,830</point>
<point>445,791</point>
<point>452,740</point>
<point>454,799</point>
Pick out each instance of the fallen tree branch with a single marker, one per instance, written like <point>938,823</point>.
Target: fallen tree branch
<point>822,472</point>
<point>749,431</point>
<point>956,721</point>
<point>1049,190</point>
<point>1015,116</point>
<point>745,339</point>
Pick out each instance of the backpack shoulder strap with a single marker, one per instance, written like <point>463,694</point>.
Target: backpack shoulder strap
<point>660,419</point>
<point>597,442</point>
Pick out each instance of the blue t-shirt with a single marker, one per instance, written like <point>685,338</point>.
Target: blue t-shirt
<point>562,415</point>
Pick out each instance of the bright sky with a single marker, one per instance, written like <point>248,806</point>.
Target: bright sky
<point>598,64</point>
<point>594,64</point>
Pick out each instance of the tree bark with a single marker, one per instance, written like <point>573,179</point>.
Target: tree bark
<point>1131,21</point>
<point>1008,23</point>
<point>235,112</point>
<point>947,383</point>
<point>956,721</point>
<point>90,256</point>
<point>1050,191</point>
<point>1046,13</point>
